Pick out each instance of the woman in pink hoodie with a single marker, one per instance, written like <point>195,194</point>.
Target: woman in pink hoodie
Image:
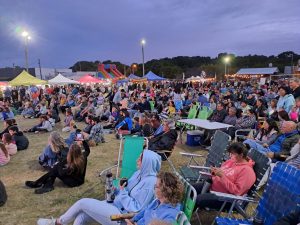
<point>235,176</point>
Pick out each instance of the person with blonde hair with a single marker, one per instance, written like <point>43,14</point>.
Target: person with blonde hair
<point>55,151</point>
<point>71,170</point>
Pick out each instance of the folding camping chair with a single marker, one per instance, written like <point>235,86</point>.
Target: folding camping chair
<point>215,157</point>
<point>234,203</point>
<point>130,149</point>
<point>281,196</point>
<point>189,199</point>
<point>191,115</point>
<point>181,219</point>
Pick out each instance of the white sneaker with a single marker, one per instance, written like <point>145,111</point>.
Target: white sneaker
<point>42,221</point>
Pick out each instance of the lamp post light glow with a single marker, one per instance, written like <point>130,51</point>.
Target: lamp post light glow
<point>226,61</point>
<point>26,36</point>
<point>143,42</point>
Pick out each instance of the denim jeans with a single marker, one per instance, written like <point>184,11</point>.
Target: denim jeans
<point>253,144</point>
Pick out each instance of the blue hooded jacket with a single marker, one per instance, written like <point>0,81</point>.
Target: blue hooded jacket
<point>157,211</point>
<point>127,121</point>
<point>139,192</point>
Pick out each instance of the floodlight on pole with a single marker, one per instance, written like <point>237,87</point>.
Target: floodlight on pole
<point>226,61</point>
<point>26,36</point>
<point>143,42</point>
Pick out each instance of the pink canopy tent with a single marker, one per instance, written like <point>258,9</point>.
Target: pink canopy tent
<point>89,79</point>
<point>3,83</point>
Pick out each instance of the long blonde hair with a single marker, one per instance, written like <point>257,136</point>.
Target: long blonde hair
<point>56,142</point>
<point>75,159</point>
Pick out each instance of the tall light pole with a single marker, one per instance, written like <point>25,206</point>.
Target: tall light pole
<point>226,61</point>
<point>143,42</point>
<point>26,36</point>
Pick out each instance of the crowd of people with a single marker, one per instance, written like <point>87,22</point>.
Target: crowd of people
<point>150,110</point>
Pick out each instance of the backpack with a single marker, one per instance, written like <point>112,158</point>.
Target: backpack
<point>3,195</point>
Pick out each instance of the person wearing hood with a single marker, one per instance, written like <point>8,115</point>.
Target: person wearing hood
<point>134,197</point>
<point>166,140</point>
<point>19,138</point>
<point>235,176</point>
<point>286,100</point>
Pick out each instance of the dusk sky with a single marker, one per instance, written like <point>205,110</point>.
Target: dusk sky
<point>66,31</point>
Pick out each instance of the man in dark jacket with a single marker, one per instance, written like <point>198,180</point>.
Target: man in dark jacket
<point>219,114</point>
<point>166,140</point>
<point>295,86</point>
<point>20,139</point>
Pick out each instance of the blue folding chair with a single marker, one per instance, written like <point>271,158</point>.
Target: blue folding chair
<point>281,196</point>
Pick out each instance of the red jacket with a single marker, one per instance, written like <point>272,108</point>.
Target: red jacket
<point>237,178</point>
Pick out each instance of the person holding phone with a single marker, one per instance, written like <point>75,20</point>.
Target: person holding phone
<point>70,171</point>
<point>235,176</point>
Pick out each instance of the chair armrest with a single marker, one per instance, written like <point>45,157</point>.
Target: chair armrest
<point>190,154</point>
<point>120,217</point>
<point>107,169</point>
<point>231,197</point>
<point>200,167</point>
<point>162,151</point>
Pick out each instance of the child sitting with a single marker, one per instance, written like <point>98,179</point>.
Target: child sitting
<point>67,121</point>
<point>9,145</point>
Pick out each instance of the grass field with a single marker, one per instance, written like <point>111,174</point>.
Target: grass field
<point>25,207</point>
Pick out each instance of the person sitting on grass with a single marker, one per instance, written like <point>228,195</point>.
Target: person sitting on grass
<point>28,111</point>
<point>6,113</point>
<point>132,196</point>
<point>125,126</point>
<point>67,120</point>
<point>4,155</point>
<point>96,135</point>
<point>6,124</point>
<point>235,176</point>
<point>55,151</point>
<point>9,145</point>
<point>19,138</point>
<point>70,170</point>
<point>44,125</point>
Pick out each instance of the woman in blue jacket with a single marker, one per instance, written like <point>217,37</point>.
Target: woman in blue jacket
<point>166,206</point>
<point>138,194</point>
<point>286,100</point>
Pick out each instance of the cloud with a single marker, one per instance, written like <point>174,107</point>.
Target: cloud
<point>66,31</point>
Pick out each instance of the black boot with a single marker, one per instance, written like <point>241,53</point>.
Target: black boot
<point>44,189</point>
<point>33,184</point>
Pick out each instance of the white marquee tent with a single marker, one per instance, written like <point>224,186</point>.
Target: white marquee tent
<point>60,79</point>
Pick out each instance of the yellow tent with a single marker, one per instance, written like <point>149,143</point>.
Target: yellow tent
<point>25,78</point>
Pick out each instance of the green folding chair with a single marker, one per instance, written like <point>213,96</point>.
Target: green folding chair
<point>203,114</point>
<point>130,149</point>
<point>152,105</point>
<point>181,219</point>
<point>192,115</point>
<point>189,200</point>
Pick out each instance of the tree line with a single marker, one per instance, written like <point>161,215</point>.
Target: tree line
<point>192,66</point>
